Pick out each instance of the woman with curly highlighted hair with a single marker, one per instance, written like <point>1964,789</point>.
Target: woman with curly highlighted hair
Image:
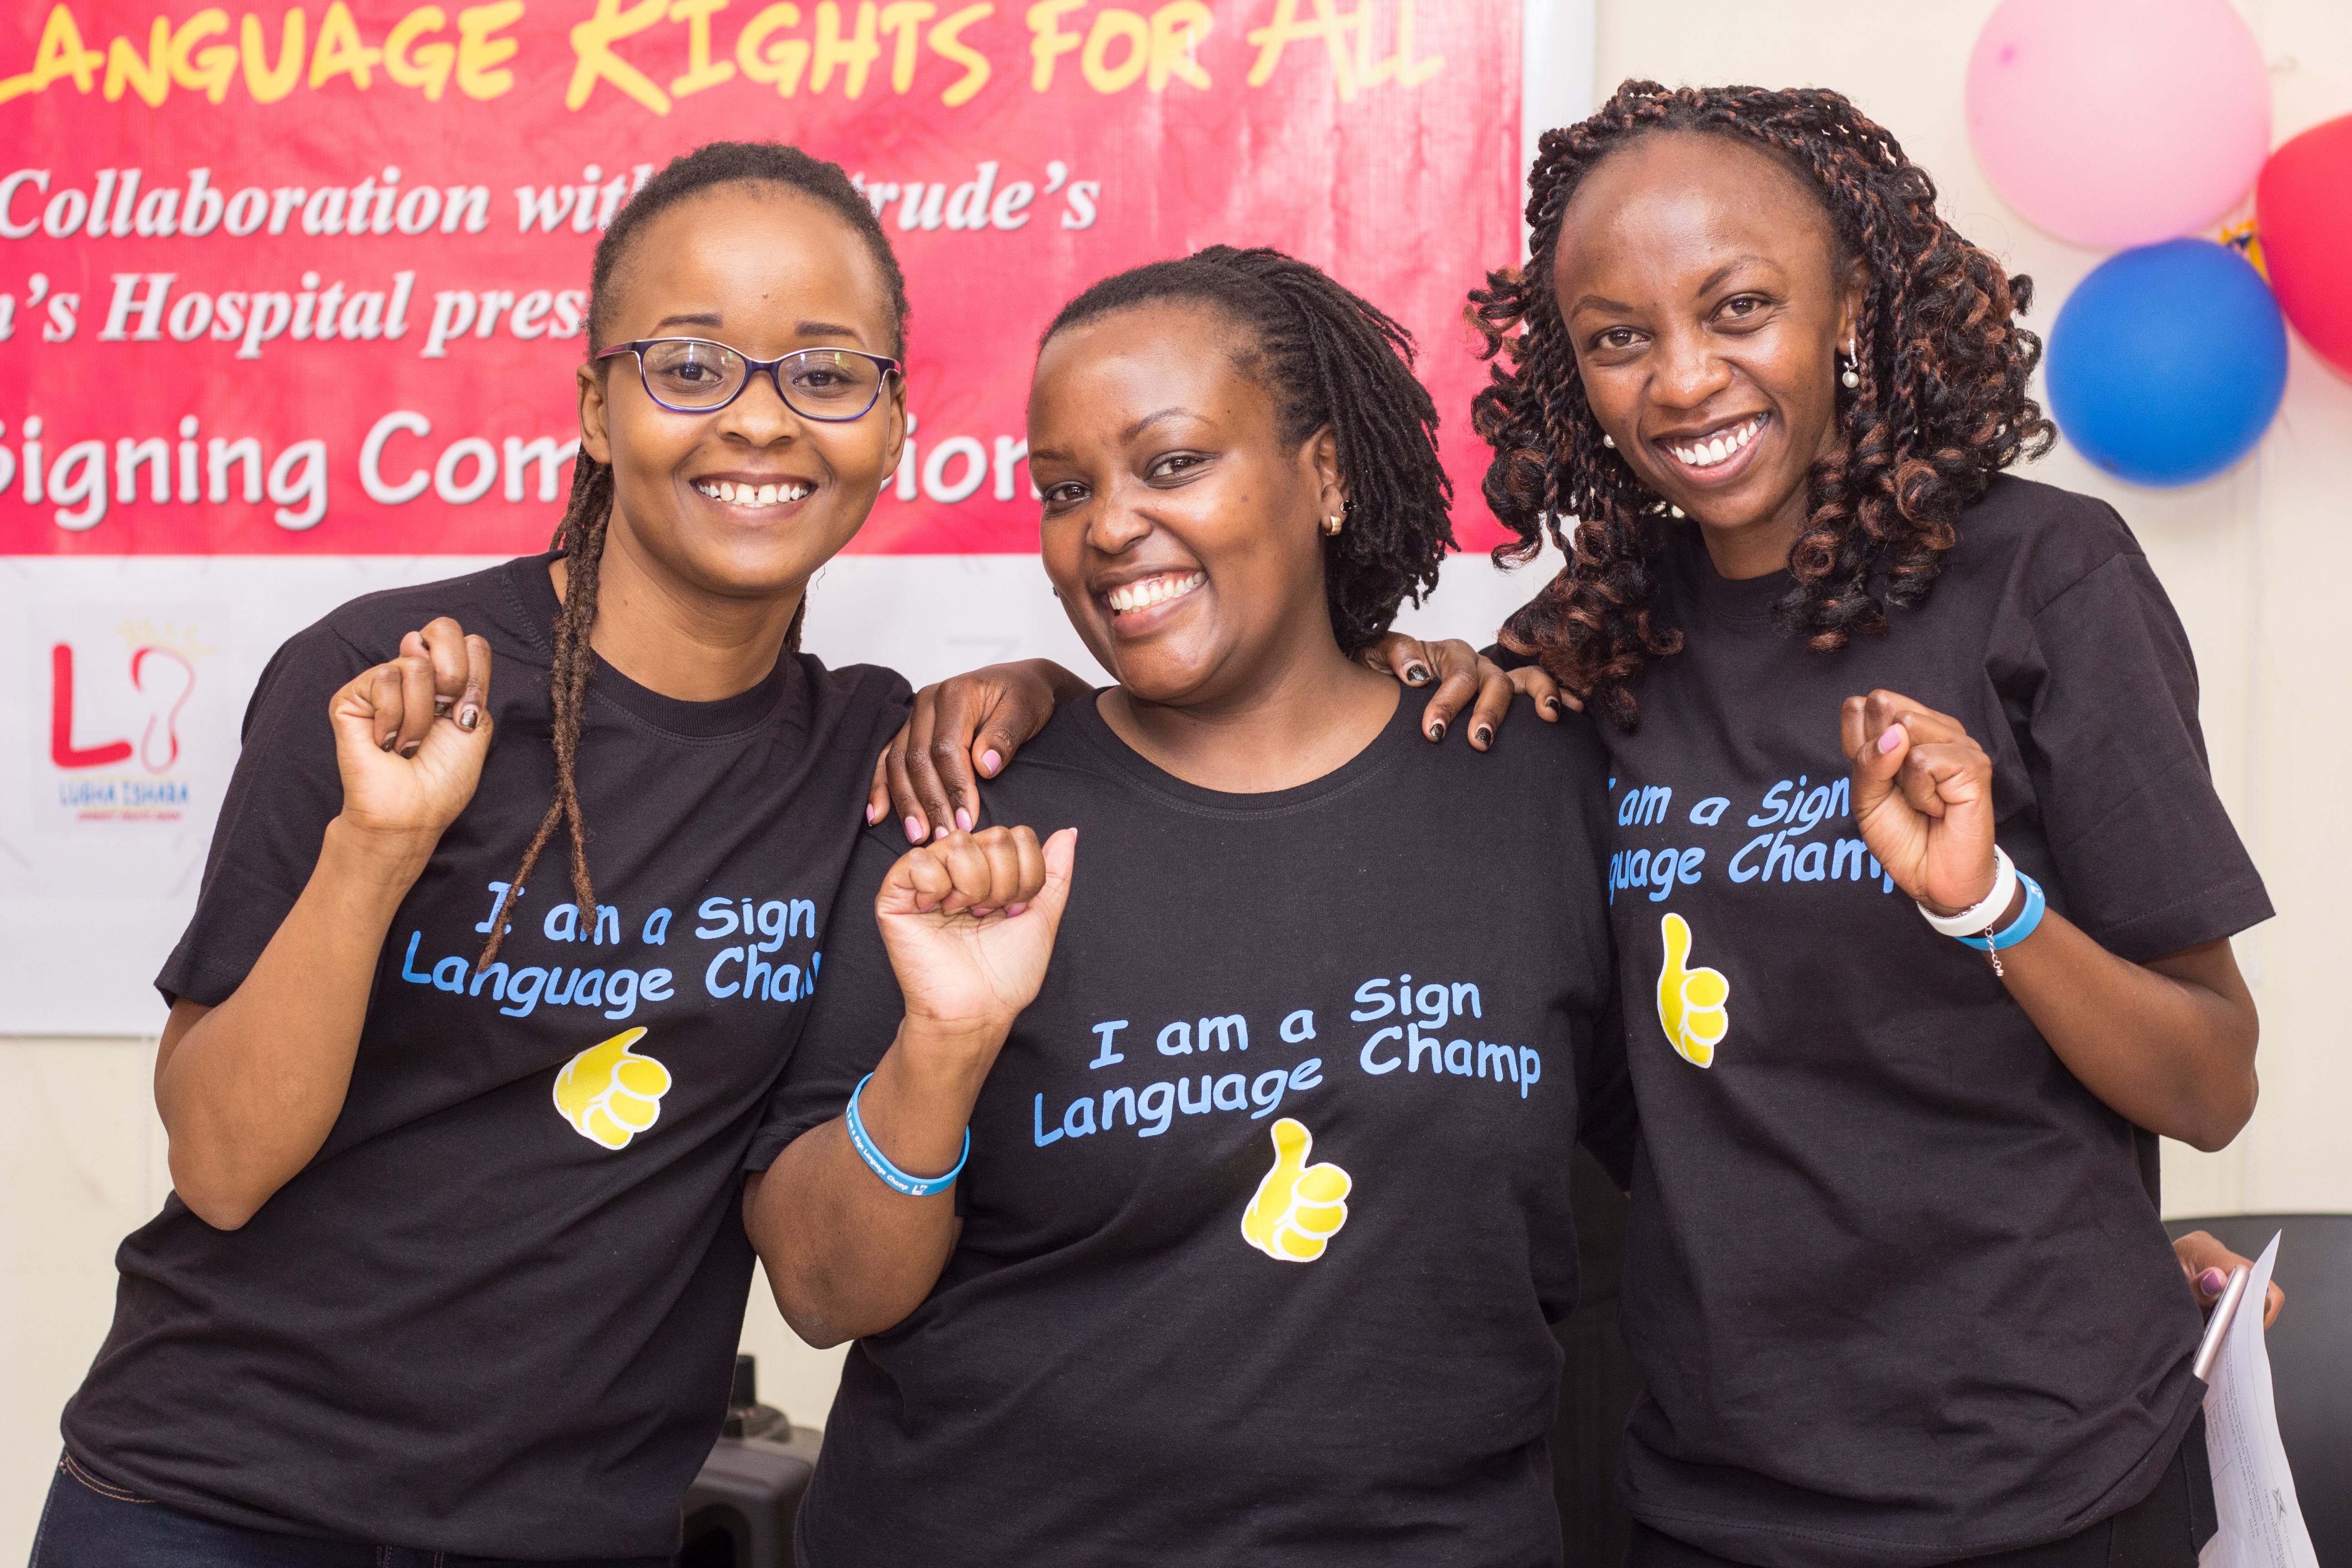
<point>1896,1285</point>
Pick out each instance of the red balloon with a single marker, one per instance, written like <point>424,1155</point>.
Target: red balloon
<point>2303,213</point>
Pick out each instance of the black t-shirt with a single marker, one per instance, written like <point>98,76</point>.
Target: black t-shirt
<point>1896,1284</point>
<point>1401,971</point>
<point>497,1314</point>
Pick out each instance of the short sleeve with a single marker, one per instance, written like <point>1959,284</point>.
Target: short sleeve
<point>2146,856</point>
<point>853,1018</point>
<point>285,790</point>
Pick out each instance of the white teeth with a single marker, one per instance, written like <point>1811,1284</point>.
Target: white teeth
<point>734,494</point>
<point>1716,448</point>
<point>1149,591</point>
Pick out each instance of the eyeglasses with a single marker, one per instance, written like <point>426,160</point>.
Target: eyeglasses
<point>695,376</point>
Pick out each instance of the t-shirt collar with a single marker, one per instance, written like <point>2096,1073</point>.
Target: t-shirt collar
<point>1726,598</point>
<point>747,709</point>
<point>1398,733</point>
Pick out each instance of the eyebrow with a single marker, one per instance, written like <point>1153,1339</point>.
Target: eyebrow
<point>712,320</point>
<point>1715,277</point>
<point>1148,420</point>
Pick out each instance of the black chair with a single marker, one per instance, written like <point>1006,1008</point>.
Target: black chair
<point>740,1511</point>
<point>1597,1385</point>
<point>2311,1359</point>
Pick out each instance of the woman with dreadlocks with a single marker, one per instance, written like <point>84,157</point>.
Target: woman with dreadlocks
<point>1232,1236</point>
<point>1897,1288</point>
<point>452,1262</point>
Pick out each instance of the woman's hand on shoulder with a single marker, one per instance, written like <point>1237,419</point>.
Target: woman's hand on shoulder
<point>959,731</point>
<point>2208,1263</point>
<point>1922,797</point>
<point>970,922</point>
<point>411,735</point>
<point>1466,679</point>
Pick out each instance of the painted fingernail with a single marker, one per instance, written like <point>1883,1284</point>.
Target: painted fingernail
<point>963,819</point>
<point>1437,730</point>
<point>441,707</point>
<point>1889,740</point>
<point>1416,674</point>
<point>409,750</point>
<point>873,815</point>
<point>1552,704</point>
<point>978,911</point>
<point>2213,1282</point>
<point>989,761</point>
<point>1012,909</point>
<point>937,834</point>
<point>1482,735</point>
<point>470,717</point>
<point>391,738</point>
<point>914,830</point>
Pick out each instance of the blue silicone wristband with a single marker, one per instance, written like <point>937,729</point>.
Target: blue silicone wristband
<point>2018,929</point>
<point>879,1163</point>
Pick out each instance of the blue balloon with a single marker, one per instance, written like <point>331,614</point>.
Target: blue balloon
<point>2168,361</point>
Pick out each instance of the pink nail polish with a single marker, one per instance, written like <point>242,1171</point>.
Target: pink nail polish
<point>873,815</point>
<point>1889,740</point>
<point>2213,1282</point>
<point>914,830</point>
<point>989,761</point>
<point>937,834</point>
<point>1012,909</point>
<point>963,819</point>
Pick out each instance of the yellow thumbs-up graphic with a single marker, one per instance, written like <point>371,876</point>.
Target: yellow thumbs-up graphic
<point>1299,1206</point>
<point>1690,1000</point>
<point>609,1093</point>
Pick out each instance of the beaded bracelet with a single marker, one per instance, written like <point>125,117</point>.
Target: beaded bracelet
<point>879,1163</point>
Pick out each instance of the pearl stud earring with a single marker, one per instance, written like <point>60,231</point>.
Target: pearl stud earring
<point>1608,440</point>
<point>1852,376</point>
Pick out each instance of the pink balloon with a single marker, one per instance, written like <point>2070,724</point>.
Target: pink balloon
<point>2119,122</point>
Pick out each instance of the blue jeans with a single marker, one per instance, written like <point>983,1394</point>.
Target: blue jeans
<point>91,1522</point>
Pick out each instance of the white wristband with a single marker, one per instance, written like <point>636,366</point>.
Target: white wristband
<point>1975,922</point>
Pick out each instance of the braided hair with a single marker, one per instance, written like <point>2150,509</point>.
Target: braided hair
<point>1941,405</point>
<point>1329,358</point>
<point>587,517</point>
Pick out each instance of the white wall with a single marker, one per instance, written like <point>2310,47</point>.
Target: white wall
<point>2254,560</point>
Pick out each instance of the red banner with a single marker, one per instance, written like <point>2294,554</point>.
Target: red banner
<point>311,279</point>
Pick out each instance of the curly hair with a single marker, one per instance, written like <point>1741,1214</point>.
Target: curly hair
<point>1331,358</point>
<point>1940,406</point>
<point>588,514</point>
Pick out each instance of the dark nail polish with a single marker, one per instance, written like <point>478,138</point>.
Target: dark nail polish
<point>469,717</point>
<point>1482,735</point>
<point>441,707</point>
<point>1437,730</point>
<point>392,740</point>
<point>409,750</point>
<point>1416,674</point>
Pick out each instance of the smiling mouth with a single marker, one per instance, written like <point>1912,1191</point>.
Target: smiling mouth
<point>1146,592</point>
<point>1718,447</point>
<point>732,494</point>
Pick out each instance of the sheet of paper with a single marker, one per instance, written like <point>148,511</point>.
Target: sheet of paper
<point>2253,1492</point>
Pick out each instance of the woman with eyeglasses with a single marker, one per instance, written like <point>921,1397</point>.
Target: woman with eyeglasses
<point>452,1266</point>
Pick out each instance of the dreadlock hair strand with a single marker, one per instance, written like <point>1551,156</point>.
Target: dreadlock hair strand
<point>588,514</point>
<point>1940,408</point>
<point>1331,359</point>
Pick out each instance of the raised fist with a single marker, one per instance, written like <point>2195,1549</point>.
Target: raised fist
<point>410,735</point>
<point>970,922</point>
